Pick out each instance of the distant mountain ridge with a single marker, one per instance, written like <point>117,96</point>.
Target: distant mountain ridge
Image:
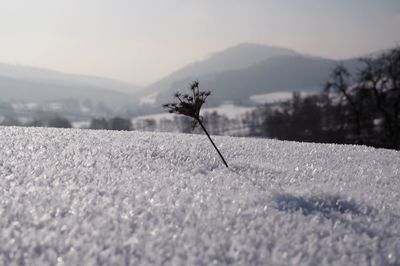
<point>37,74</point>
<point>253,69</point>
<point>234,58</point>
<point>234,74</point>
<point>42,75</point>
<point>38,85</point>
<point>31,91</point>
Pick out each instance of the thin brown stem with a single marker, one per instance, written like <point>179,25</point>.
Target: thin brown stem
<point>212,142</point>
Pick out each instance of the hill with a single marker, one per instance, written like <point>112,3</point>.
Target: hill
<point>276,74</point>
<point>240,72</point>
<point>235,74</point>
<point>103,197</point>
<point>31,84</point>
<point>30,91</point>
<point>233,58</point>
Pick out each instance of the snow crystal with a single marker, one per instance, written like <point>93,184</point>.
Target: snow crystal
<point>81,197</point>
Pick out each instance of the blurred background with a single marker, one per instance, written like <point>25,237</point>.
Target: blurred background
<point>318,71</point>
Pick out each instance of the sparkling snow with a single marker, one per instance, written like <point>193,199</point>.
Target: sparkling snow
<point>81,197</point>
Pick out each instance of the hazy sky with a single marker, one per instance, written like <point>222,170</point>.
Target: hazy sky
<point>143,40</point>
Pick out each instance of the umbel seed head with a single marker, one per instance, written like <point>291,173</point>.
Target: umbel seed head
<point>189,105</point>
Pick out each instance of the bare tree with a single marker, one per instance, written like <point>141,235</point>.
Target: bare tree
<point>339,83</point>
<point>381,75</point>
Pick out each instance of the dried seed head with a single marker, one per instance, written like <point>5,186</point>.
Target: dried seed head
<point>194,85</point>
<point>189,105</point>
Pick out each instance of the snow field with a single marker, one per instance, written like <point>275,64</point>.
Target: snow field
<point>81,197</point>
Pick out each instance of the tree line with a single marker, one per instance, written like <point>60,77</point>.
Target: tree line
<point>364,109</point>
<point>58,121</point>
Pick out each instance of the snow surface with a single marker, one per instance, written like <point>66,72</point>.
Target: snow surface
<point>276,97</point>
<point>157,117</point>
<point>148,99</point>
<point>81,124</point>
<point>81,197</point>
<point>230,110</point>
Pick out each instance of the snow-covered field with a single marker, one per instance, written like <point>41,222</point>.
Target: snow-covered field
<point>230,110</point>
<point>80,197</point>
<point>281,96</point>
<point>227,109</point>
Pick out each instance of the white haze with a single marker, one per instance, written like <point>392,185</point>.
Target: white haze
<point>142,41</point>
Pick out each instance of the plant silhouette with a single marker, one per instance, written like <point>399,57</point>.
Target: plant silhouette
<point>190,105</point>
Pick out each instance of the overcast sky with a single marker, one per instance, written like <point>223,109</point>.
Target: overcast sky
<point>141,41</point>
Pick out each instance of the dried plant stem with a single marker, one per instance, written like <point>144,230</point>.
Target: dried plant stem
<point>212,142</point>
<point>190,106</point>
